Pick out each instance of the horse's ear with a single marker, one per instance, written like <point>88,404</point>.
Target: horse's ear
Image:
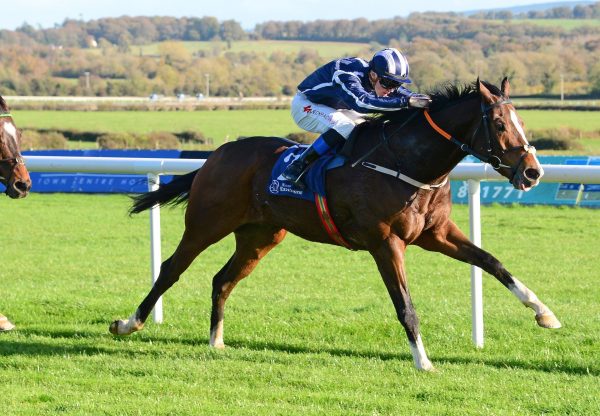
<point>485,93</point>
<point>505,88</point>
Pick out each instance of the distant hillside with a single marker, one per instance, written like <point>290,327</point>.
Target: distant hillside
<point>532,7</point>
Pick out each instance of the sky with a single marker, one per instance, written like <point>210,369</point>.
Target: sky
<point>47,13</point>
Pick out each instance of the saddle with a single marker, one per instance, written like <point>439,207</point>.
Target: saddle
<point>314,180</point>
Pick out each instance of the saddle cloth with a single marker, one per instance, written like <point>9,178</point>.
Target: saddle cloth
<point>314,178</point>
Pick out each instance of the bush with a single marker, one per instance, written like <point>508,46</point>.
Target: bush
<point>118,141</point>
<point>161,140</point>
<point>561,138</point>
<point>303,137</point>
<point>35,140</point>
<point>155,140</point>
<point>193,137</point>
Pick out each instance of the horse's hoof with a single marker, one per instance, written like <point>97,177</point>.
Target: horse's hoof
<point>218,345</point>
<point>114,328</point>
<point>6,325</point>
<point>548,320</point>
<point>427,367</point>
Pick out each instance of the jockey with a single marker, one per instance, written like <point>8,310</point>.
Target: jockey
<point>332,100</point>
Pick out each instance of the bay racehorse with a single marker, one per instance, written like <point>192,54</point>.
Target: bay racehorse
<point>13,173</point>
<point>393,193</point>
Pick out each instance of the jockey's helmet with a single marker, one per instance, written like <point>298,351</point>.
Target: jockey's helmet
<point>391,64</point>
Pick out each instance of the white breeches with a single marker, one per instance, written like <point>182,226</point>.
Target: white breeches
<point>319,118</point>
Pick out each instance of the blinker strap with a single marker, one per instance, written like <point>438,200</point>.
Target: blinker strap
<point>5,114</point>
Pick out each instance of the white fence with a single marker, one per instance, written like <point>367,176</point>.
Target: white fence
<point>473,172</point>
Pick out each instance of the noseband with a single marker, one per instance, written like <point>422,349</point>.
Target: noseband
<point>13,162</point>
<point>493,160</point>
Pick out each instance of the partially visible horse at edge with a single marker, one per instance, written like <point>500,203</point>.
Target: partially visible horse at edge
<point>373,211</point>
<point>13,173</point>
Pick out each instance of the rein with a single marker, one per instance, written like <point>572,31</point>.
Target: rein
<point>490,158</point>
<point>395,173</point>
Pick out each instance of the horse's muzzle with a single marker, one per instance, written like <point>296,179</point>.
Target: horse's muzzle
<point>528,177</point>
<point>18,189</point>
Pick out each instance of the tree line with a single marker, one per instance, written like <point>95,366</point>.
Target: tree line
<point>99,57</point>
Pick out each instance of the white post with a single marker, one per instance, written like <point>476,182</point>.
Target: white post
<point>476,284</point>
<point>155,254</point>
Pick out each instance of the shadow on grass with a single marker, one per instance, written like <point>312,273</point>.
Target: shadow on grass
<point>508,363</point>
<point>10,346</point>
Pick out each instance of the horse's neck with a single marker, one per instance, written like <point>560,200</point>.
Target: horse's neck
<point>422,153</point>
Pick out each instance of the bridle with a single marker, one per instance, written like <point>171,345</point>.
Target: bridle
<point>13,162</point>
<point>493,160</point>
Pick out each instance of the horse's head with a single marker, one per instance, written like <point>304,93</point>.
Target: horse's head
<point>503,139</point>
<point>13,173</point>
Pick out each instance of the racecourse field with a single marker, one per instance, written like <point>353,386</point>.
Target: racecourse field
<point>224,126</point>
<point>312,331</point>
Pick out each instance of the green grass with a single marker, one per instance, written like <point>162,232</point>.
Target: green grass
<point>542,119</point>
<point>224,126</point>
<point>312,331</point>
<point>221,126</point>
<point>325,49</point>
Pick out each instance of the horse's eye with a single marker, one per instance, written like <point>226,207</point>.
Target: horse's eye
<point>500,126</point>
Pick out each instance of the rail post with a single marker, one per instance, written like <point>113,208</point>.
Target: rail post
<point>476,281</point>
<point>155,252</point>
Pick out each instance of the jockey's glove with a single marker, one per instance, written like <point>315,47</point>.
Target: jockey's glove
<point>419,101</point>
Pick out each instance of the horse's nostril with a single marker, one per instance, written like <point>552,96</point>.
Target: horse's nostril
<point>22,186</point>
<point>532,174</point>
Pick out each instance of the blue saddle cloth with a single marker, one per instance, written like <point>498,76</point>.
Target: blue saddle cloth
<point>314,178</point>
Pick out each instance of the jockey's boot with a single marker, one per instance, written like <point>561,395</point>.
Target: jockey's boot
<point>298,167</point>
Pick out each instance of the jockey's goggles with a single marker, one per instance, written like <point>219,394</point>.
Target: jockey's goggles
<point>388,84</point>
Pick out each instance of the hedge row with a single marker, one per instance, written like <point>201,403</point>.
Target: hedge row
<point>563,138</point>
<point>50,139</point>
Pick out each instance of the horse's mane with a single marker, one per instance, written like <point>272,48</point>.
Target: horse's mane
<point>442,96</point>
<point>3,105</point>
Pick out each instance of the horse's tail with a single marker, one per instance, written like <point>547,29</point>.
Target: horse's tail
<point>173,193</point>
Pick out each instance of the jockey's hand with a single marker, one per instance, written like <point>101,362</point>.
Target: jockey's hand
<point>419,101</point>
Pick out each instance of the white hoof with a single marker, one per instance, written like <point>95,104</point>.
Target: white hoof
<point>426,366</point>
<point>5,324</point>
<point>218,345</point>
<point>548,320</point>
<point>125,326</point>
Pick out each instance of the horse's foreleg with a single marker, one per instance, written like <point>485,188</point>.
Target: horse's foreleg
<point>252,244</point>
<point>389,257</point>
<point>5,324</point>
<point>450,241</point>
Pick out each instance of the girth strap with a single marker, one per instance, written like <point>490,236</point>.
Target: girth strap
<point>327,221</point>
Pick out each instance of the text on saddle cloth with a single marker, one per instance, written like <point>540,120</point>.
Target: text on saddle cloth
<point>314,178</point>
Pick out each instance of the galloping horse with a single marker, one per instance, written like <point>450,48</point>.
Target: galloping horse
<point>13,173</point>
<point>398,195</point>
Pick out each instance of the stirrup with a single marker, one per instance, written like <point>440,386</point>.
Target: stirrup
<point>291,173</point>
<point>299,182</point>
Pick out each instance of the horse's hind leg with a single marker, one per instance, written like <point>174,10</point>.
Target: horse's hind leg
<point>450,241</point>
<point>5,324</point>
<point>253,242</point>
<point>197,237</point>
